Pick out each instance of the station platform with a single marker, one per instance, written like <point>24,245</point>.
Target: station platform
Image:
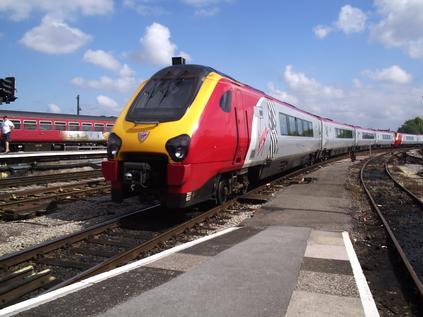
<point>293,258</point>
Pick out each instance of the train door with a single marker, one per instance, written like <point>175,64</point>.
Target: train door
<point>242,128</point>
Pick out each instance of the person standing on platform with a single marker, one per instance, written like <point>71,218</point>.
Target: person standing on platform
<point>6,133</point>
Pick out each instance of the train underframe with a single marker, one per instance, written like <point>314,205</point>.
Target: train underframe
<point>152,178</point>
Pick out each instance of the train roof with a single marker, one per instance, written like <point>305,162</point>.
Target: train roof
<point>33,114</point>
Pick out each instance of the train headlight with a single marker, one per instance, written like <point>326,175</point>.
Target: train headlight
<point>178,147</point>
<point>113,146</point>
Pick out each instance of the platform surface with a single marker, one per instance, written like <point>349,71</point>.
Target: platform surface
<point>289,260</point>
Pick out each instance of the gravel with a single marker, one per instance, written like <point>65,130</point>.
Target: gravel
<point>17,235</point>
<point>73,217</point>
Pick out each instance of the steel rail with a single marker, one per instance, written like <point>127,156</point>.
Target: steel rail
<point>53,196</point>
<point>133,253</point>
<point>46,247</point>
<point>43,179</point>
<point>417,199</point>
<point>43,190</point>
<point>147,246</point>
<point>391,234</point>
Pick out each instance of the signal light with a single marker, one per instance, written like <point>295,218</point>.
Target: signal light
<point>7,90</point>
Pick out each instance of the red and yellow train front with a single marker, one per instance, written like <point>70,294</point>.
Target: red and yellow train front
<point>175,137</point>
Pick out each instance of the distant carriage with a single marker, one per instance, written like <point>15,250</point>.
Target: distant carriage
<point>38,131</point>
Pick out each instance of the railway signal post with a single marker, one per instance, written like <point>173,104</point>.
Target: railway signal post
<point>7,90</point>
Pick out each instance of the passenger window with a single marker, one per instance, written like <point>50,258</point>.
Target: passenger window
<point>16,123</point>
<point>45,125</point>
<point>30,125</point>
<point>73,126</point>
<point>87,127</point>
<point>300,127</point>
<point>283,119</point>
<point>310,129</point>
<point>225,101</point>
<point>292,127</point>
<point>61,126</point>
<point>98,126</point>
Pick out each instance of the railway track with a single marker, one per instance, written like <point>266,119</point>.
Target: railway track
<point>401,213</point>
<point>46,179</point>
<point>33,202</point>
<point>108,245</point>
<point>114,243</point>
<point>36,201</point>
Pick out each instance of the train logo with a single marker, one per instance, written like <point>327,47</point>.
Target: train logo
<point>143,135</point>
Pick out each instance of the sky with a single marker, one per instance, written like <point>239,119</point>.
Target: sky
<point>359,62</point>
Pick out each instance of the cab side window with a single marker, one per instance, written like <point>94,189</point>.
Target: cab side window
<point>225,101</point>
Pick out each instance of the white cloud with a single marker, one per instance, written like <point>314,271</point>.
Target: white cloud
<point>207,12</point>
<point>54,37</point>
<point>123,83</point>
<point>280,94</point>
<point>321,31</point>
<point>400,26</point>
<point>143,7</point>
<point>120,84</point>
<point>351,20</point>
<point>102,58</point>
<point>382,106</point>
<point>203,3</point>
<point>21,9</point>
<point>53,108</point>
<point>299,82</point>
<point>206,7</point>
<point>107,102</point>
<point>158,49</point>
<point>393,74</point>
<point>357,83</point>
<point>125,72</point>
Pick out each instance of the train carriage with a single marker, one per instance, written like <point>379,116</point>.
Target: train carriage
<point>337,138</point>
<point>384,138</point>
<point>50,131</point>
<point>191,133</point>
<point>405,139</point>
<point>282,137</point>
<point>365,138</point>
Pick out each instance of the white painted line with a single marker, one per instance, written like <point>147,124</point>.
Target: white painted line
<point>369,306</point>
<point>52,153</point>
<point>45,298</point>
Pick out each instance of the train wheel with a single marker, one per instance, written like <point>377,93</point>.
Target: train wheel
<point>222,191</point>
<point>117,195</point>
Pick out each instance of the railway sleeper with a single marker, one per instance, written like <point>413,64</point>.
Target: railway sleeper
<point>104,241</point>
<point>64,263</point>
<point>99,252</point>
<point>27,284</point>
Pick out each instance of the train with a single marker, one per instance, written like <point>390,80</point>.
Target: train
<point>40,131</point>
<point>191,134</point>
